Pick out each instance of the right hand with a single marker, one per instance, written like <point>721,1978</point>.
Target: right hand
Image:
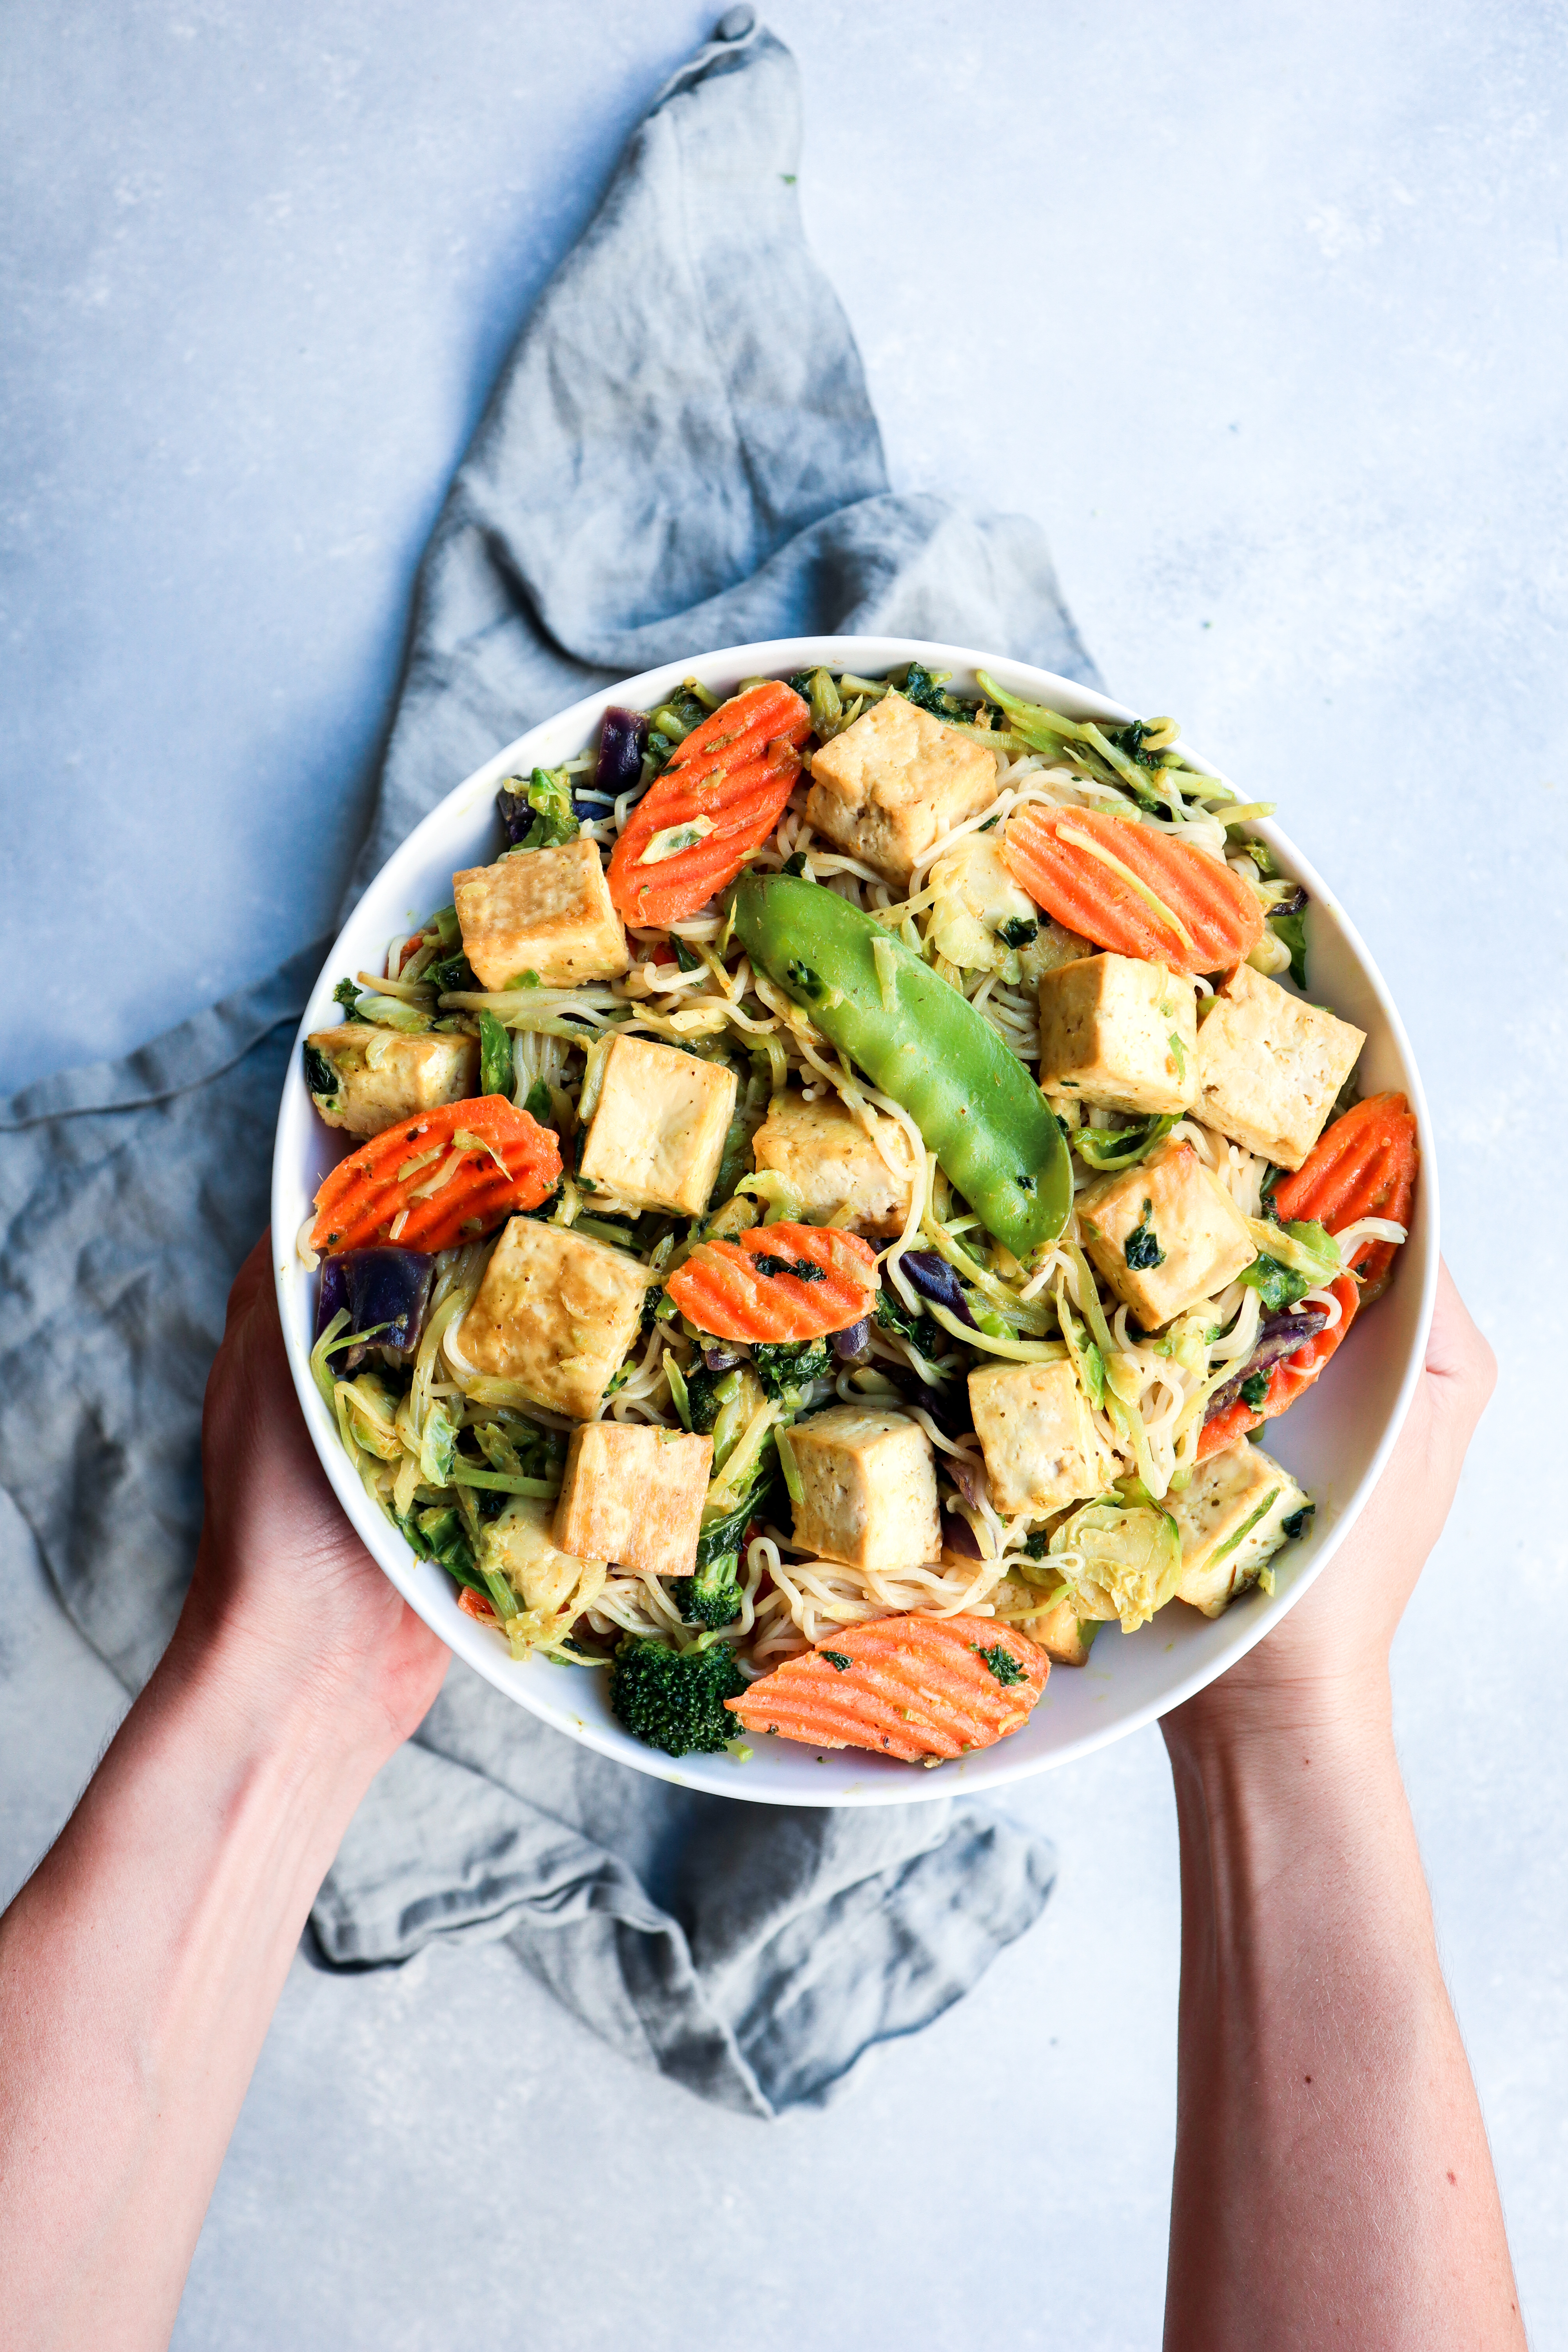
<point>1328,1657</point>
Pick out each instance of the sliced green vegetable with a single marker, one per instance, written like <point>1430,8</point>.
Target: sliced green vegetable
<point>495,1057</point>
<point>974,1101</point>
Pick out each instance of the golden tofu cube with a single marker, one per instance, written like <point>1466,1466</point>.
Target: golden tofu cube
<point>1051,1620</point>
<point>1119,1034</point>
<point>867,1489</point>
<point>657,1132</point>
<point>1270,1065</point>
<point>556,1312</point>
<point>546,912</point>
<point>380,1076</point>
<point>830,1163</point>
<point>887,786</point>
<point>1231,1520</point>
<point>1165,1234</point>
<point>552,1585</point>
<point>634,1494</point>
<point>1039,1441</point>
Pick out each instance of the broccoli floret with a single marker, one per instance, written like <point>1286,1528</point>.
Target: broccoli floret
<point>711,1597</point>
<point>674,1699</point>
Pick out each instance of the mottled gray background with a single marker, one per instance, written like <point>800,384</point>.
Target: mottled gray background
<point>1261,312</point>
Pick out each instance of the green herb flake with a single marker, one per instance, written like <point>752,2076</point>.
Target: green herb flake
<point>836,1658</point>
<point>1141,1248</point>
<point>1001,1663</point>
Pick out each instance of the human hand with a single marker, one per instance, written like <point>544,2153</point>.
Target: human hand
<point>1327,1661</point>
<point>282,1584</point>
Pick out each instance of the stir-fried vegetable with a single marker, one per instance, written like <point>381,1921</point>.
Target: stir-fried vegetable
<point>449,1175</point>
<point>720,796</point>
<point>920,1041</point>
<point>1132,890</point>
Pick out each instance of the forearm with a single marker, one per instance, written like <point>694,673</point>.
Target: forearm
<point>139,1969</point>
<point>1332,2177</point>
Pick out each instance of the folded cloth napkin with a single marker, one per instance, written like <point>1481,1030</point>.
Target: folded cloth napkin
<point>680,455</point>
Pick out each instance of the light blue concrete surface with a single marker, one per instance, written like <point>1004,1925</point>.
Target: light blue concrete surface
<point>1262,314</point>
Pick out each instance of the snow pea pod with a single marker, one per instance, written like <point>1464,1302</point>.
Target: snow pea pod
<point>917,1038</point>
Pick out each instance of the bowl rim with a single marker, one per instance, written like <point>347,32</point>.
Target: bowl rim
<point>434,1597</point>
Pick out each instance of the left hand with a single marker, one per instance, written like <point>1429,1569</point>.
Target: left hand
<point>280,1573</point>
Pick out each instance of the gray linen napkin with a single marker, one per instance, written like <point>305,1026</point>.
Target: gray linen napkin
<point>680,455</point>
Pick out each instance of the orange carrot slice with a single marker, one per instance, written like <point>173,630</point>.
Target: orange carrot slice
<point>721,796</point>
<point>1180,907</point>
<point>1287,1378</point>
<point>443,1177</point>
<point>1365,1166</point>
<point>777,1282</point>
<point>915,1687</point>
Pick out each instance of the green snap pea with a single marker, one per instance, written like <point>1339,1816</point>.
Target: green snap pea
<point>917,1039</point>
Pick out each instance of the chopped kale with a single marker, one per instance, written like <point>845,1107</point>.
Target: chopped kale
<point>921,1331</point>
<point>452,975</point>
<point>1141,1248</point>
<point>1002,1663</point>
<point>1018,931</point>
<point>837,1659</point>
<point>1255,1390</point>
<point>347,995</point>
<point>787,1368</point>
<point>801,1267</point>
<point>319,1075</point>
<point>1296,1525</point>
<point>801,975</point>
<point>1037,1544</point>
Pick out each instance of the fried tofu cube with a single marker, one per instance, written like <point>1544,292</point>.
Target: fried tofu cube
<point>831,1165</point>
<point>633,1495</point>
<point>1119,1034</point>
<point>365,1078</point>
<point>1270,1065</point>
<point>1231,1520</point>
<point>867,1489</point>
<point>546,912</point>
<point>890,784</point>
<point>1040,1445</point>
<point>659,1130</point>
<point>1049,1620</point>
<point>1165,1234</point>
<point>556,1312</point>
<point>552,1585</point>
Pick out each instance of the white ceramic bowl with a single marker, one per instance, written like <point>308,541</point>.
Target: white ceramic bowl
<point>1336,1440</point>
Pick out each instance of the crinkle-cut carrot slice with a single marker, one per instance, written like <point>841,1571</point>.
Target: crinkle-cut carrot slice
<point>1191,913</point>
<point>777,1282</point>
<point>725,786</point>
<point>1287,1378</point>
<point>1365,1166</point>
<point>453,1194</point>
<point>916,1687</point>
